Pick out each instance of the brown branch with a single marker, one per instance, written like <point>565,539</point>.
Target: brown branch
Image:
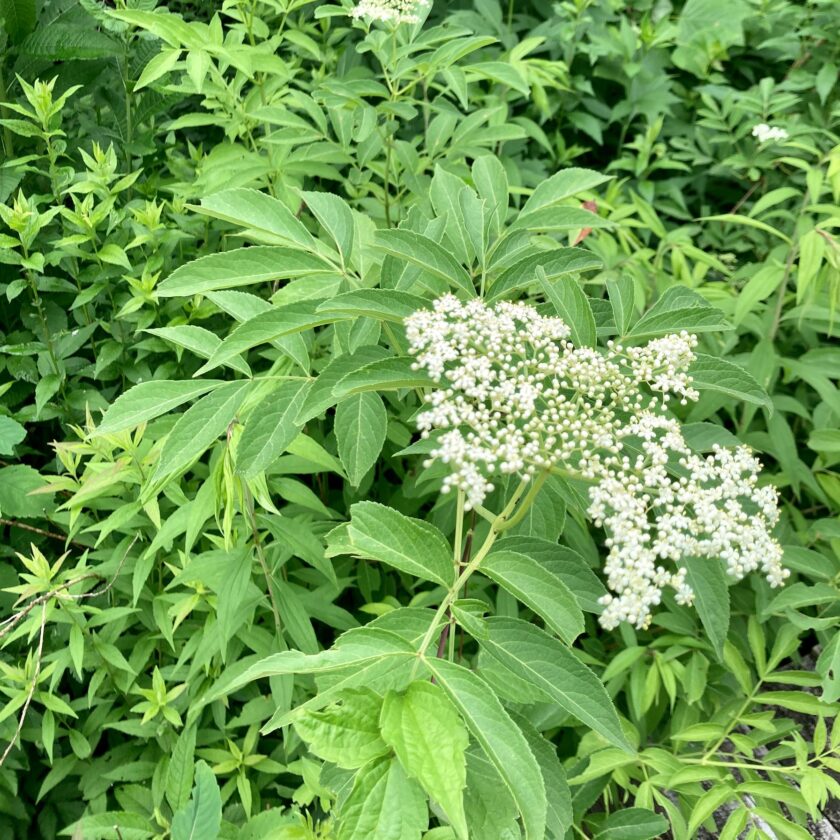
<point>13,523</point>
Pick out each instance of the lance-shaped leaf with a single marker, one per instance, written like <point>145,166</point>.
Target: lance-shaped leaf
<point>707,578</point>
<point>389,374</point>
<point>571,304</point>
<point>680,308</point>
<point>241,267</point>
<point>266,327</point>
<point>361,423</point>
<point>202,815</point>
<point>427,254</point>
<point>562,262</point>
<point>384,304</point>
<point>270,428</point>
<point>148,400</point>
<point>537,588</point>
<point>380,533</point>
<point>545,662</point>
<point>199,426</point>
<point>562,185</point>
<point>429,738</point>
<point>500,738</point>
<point>710,373</point>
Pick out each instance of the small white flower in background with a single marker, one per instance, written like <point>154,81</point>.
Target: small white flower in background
<point>393,11</point>
<point>765,133</point>
<point>515,396</point>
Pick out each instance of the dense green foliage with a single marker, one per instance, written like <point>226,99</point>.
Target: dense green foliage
<point>220,550</point>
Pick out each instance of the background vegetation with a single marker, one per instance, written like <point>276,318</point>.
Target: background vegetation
<point>148,560</point>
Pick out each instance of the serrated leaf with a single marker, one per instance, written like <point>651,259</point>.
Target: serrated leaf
<point>545,662</point>
<point>429,738</point>
<point>384,304</point>
<point>199,426</point>
<point>538,589</point>
<point>180,772</point>
<point>632,824</point>
<point>427,254</point>
<point>361,423</point>
<point>500,738</point>
<point>19,18</point>
<point>377,532</point>
<point>679,309</point>
<point>11,434</point>
<point>562,185</point>
<point>389,374</point>
<point>710,373</point>
<point>148,400</point>
<point>270,428</point>
<point>241,267</point>
<point>570,303</point>
<point>707,577</point>
<point>384,803</point>
<point>345,733</point>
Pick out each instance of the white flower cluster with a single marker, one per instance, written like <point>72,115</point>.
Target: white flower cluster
<point>766,132</point>
<point>515,396</point>
<point>392,11</point>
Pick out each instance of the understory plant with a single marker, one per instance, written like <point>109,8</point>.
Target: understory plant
<point>418,420</point>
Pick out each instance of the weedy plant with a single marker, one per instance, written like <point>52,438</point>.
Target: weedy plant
<point>373,471</point>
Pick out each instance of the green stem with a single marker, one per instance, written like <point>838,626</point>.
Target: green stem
<point>8,140</point>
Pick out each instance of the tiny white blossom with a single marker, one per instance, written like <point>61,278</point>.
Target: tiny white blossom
<point>393,11</point>
<point>766,133</point>
<point>515,396</point>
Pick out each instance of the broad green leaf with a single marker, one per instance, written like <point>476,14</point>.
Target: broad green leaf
<point>429,738</point>
<point>267,327</point>
<point>347,732</point>
<point>707,577</point>
<point>427,254</point>
<point>380,533</point>
<point>540,659</point>
<point>384,803</point>
<point>384,304</point>
<point>240,267</point>
<point>201,817</point>
<point>570,303</point>
<point>269,218</point>
<point>678,309</point>
<point>490,180</point>
<point>710,373</point>
<point>562,185</point>
<point>537,588</point>
<point>148,400</point>
<point>444,192</point>
<point>736,219</point>
<point>361,423</point>
<point>336,218</point>
<point>557,264</point>
<point>231,597</point>
<point>632,824</point>
<point>271,426</point>
<point>490,809</point>
<point>11,434</point>
<point>500,738</point>
<point>159,65</point>
<point>199,426</point>
<point>179,773</point>
<point>389,374</point>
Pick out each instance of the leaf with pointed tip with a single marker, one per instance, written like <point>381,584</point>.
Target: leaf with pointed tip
<point>361,423</point>
<point>389,374</point>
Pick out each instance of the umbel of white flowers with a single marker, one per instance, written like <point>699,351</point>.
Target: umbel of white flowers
<point>765,132</point>
<point>392,11</point>
<point>515,396</point>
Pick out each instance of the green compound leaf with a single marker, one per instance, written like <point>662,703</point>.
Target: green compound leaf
<point>429,738</point>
